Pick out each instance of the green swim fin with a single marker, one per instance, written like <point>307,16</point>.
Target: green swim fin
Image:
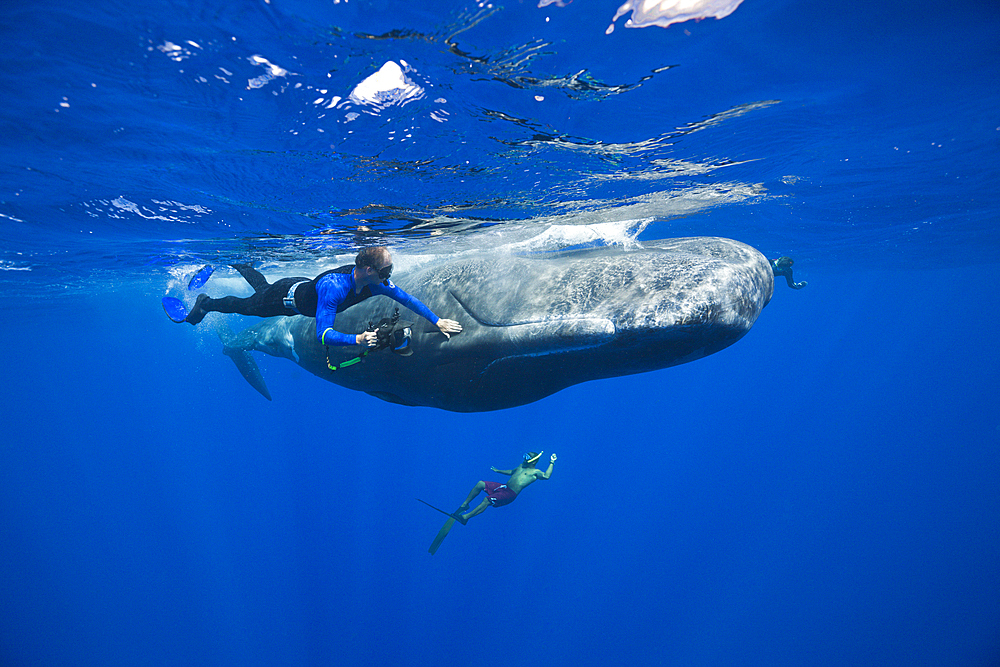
<point>443,533</point>
<point>438,509</point>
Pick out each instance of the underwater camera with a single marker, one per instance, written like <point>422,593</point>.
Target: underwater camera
<point>393,334</point>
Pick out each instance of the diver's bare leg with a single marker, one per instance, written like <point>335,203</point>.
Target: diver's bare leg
<point>476,490</point>
<point>480,508</point>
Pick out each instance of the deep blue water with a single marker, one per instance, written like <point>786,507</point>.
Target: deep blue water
<point>824,492</point>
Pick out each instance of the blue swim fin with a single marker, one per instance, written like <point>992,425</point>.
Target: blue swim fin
<point>200,278</point>
<point>174,309</point>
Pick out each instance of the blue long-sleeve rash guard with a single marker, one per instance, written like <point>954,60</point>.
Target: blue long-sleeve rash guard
<point>333,293</point>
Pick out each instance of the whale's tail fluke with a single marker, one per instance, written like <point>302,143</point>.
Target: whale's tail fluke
<point>244,361</point>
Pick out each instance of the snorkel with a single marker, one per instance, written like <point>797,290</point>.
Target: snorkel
<point>529,458</point>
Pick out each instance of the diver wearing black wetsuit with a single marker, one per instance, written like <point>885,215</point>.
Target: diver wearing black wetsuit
<point>783,267</point>
<point>321,297</point>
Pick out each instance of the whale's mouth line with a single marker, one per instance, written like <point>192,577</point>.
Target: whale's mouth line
<point>535,355</point>
<point>492,323</point>
<point>481,320</point>
<point>564,335</point>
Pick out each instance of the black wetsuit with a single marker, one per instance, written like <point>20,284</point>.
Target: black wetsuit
<point>322,297</point>
<point>268,299</point>
<point>785,270</point>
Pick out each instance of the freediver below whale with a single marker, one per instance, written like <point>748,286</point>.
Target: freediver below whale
<point>535,324</point>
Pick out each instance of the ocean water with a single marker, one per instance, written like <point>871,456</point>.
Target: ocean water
<point>823,492</point>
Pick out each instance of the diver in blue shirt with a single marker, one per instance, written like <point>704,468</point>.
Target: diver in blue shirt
<point>321,297</point>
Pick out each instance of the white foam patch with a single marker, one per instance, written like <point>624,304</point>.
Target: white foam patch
<point>168,211</point>
<point>666,204</point>
<point>176,52</point>
<point>595,222</point>
<point>271,72</point>
<point>225,281</point>
<point>619,232</point>
<point>664,169</point>
<point>388,86</point>
<point>667,12</point>
<point>11,266</point>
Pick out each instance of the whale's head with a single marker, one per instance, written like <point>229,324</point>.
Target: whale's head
<point>536,324</point>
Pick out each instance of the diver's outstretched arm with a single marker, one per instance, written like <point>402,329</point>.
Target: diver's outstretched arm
<point>793,284</point>
<point>548,473</point>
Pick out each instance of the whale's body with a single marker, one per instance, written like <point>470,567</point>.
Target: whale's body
<point>536,324</point>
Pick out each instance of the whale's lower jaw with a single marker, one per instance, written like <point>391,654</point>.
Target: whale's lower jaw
<point>529,366</point>
<point>501,383</point>
<point>518,379</point>
<point>389,397</point>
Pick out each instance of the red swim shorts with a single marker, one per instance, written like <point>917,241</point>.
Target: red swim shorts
<point>499,494</point>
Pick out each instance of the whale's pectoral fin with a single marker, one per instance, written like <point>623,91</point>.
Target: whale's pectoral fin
<point>249,369</point>
<point>244,361</point>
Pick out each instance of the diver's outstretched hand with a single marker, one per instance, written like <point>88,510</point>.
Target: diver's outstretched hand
<point>448,327</point>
